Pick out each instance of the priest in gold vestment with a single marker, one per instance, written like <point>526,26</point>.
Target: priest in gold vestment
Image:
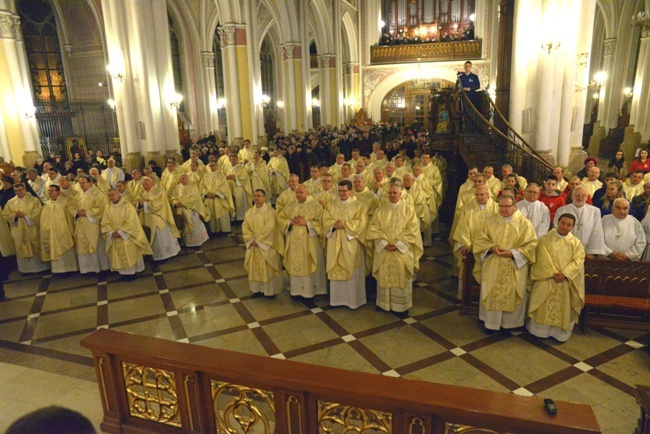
<point>217,198</point>
<point>344,227</point>
<point>303,252</point>
<point>558,293</point>
<point>505,247</point>
<point>278,174</point>
<point>397,252</point>
<point>470,222</point>
<point>88,211</point>
<point>264,245</point>
<point>57,229</point>
<point>186,199</point>
<point>23,213</point>
<point>125,239</point>
<point>240,187</point>
<point>156,214</point>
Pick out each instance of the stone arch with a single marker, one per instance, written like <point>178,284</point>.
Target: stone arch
<point>321,27</point>
<point>284,12</point>
<point>350,38</point>
<point>400,76</point>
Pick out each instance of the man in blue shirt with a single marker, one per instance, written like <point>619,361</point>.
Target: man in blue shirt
<point>469,82</point>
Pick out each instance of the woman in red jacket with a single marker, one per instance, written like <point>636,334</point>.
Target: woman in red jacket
<point>641,163</point>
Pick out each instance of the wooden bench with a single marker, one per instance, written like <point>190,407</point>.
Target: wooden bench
<point>617,294</point>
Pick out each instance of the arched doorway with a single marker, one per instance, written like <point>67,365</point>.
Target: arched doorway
<point>407,104</point>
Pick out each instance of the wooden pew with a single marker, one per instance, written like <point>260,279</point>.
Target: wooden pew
<point>159,386</point>
<point>617,295</point>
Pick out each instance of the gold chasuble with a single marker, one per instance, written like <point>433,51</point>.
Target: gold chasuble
<point>23,231</point>
<point>263,262</point>
<point>170,180</point>
<point>217,184</point>
<point>469,225</point>
<point>395,224</point>
<point>159,213</point>
<point>502,283</point>
<point>259,175</point>
<point>86,232</point>
<point>127,250</point>
<point>190,197</point>
<point>344,246</point>
<point>557,304</point>
<point>279,174</point>
<point>7,247</point>
<point>301,250</point>
<point>57,227</point>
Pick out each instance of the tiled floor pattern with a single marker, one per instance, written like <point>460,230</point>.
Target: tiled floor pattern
<point>202,298</point>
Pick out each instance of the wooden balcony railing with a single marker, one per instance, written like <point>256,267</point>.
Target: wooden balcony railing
<point>153,385</point>
<point>427,52</point>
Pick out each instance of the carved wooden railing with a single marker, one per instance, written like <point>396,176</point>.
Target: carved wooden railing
<point>485,144</point>
<point>153,385</point>
<point>427,52</point>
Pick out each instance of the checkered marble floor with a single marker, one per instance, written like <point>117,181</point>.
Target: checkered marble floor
<point>202,297</point>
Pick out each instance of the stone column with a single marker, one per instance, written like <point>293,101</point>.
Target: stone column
<point>207,61</point>
<point>324,94</point>
<point>142,78</point>
<point>585,38</point>
<point>351,77</point>
<point>231,81</point>
<point>294,98</point>
<point>641,98</point>
<point>16,105</point>
<point>604,104</point>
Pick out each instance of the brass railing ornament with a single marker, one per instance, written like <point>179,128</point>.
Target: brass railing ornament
<point>336,418</point>
<point>151,394</point>
<point>241,409</point>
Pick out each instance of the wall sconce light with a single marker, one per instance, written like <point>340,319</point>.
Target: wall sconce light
<point>597,83</point>
<point>115,75</point>
<point>280,104</point>
<point>265,100</point>
<point>382,24</point>
<point>101,84</point>
<point>176,103</point>
<point>550,46</point>
<point>221,103</point>
<point>315,102</point>
<point>349,101</point>
<point>628,92</point>
<point>111,103</point>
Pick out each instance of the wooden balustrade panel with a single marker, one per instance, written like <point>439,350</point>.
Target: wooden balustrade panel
<point>427,52</point>
<point>160,386</point>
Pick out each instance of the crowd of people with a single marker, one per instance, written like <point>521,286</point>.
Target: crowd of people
<point>334,212</point>
<point>401,38</point>
<point>521,232</point>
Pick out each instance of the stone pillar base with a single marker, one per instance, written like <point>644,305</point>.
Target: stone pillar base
<point>29,159</point>
<point>547,156</point>
<point>631,142</point>
<point>157,157</point>
<point>133,160</point>
<point>237,141</point>
<point>576,160</point>
<point>594,140</point>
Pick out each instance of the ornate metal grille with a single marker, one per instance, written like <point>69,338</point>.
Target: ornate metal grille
<point>92,124</point>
